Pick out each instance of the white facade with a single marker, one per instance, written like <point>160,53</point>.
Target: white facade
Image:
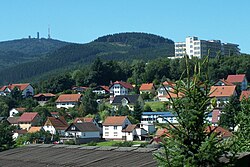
<point>50,129</point>
<point>66,104</point>
<point>13,112</point>
<point>118,89</point>
<point>83,135</point>
<point>27,92</point>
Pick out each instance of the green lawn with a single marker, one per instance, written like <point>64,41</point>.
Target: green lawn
<point>156,106</point>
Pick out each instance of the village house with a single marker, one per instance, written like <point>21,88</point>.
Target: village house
<point>13,120</point>
<point>223,82</point>
<point>222,94</point>
<point>147,88</point>
<point>14,111</point>
<point>83,132</point>
<point>127,100</point>
<point>29,119</point>
<point>68,100</point>
<point>134,132</point>
<point>79,89</point>
<point>18,133</point>
<point>238,79</point>
<point>26,89</point>
<point>162,93</point>
<point>56,125</point>
<point>42,98</point>
<point>113,126</point>
<point>119,88</point>
<point>101,90</point>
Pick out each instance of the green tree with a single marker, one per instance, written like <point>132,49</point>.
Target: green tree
<point>137,112</point>
<point>89,104</point>
<point>229,113</point>
<point>190,144</point>
<point>6,140</point>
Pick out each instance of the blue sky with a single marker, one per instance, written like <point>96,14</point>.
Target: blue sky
<point>82,21</point>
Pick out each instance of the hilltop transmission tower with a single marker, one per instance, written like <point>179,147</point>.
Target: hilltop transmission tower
<point>49,32</point>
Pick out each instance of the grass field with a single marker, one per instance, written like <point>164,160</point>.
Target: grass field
<point>156,106</point>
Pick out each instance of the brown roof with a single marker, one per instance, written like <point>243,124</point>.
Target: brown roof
<point>83,119</point>
<point>114,120</point>
<point>69,98</point>
<point>146,86</point>
<point>222,91</point>
<point>45,94</point>
<point>19,86</point>
<point>34,129</point>
<point>13,120</point>
<point>245,94</point>
<point>124,84</point>
<point>20,109</point>
<point>28,116</point>
<point>130,128</point>
<point>83,127</point>
<point>236,78</point>
<point>21,131</point>
<point>221,131</point>
<point>59,123</point>
<point>168,83</point>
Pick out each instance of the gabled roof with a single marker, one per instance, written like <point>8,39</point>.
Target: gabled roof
<point>132,99</point>
<point>19,86</point>
<point>130,128</point>
<point>79,87</point>
<point>114,120</point>
<point>105,88</point>
<point>124,84</point>
<point>146,86</point>
<point>83,119</point>
<point>13,120</point>
<point>44,94</point>
<point>220,131</point>
<point>83,127</point>
<point>236,78</point>
<point>226,83</point>
<point>20,109</point>
<point>69,98</point>
<point>168,83</point>
<point>245,94</point>
<point>34,129</point>
<point>28,116</point>
<point>222,91</point>
<point>59,123</point>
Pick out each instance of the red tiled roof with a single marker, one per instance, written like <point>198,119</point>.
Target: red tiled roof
<point>59,123</point>
<point>226,83</point>
<point>222,91</point>
<point>105,88</point>
<point>69,98</point>
<point>83,119</point>
<point>215,115</point>
<point>45,94</point>
<point>146,86</point>
<point>34,129</point>
<point>221,131</point>
<point>124,84</point>
<point>129,128</point>
<point>3,88</point>
<point>168,83</point>
<point>28,116</point>
<point>236,78</point>
<point>245,94</point>
<point>115,120</point>
<point>19,86</point>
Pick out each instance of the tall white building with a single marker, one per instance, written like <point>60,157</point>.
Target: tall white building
<point>194,47</point>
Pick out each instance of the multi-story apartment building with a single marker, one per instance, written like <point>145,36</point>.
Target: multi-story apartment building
<point>194,47</point>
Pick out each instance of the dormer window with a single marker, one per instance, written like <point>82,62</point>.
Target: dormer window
<point>73,128</point>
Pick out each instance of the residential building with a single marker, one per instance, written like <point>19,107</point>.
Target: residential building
<point>68,100</point>
<point>238,80</point>
<point>83,132</point>
<point>147,88</point>
<point>42,98</point>
<point>195,47</point>
<point>85,119</point>
<point>222,94</point>
<point>223,82</point>
<point>26,89</point>
<point>135,132</point>
<point>166,91</point>
<point>13,120</point>
<point>18,133</point>
<point>119,88</point>
<point>127,100</point>
<point>15,111</point>
<point>56,125</point>
<point>101,90</point>
<point>79,89</point>
<point>29,119</point>
<point>113,126</point>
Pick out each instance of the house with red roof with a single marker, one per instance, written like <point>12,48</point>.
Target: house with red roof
<point>119,88</point>
<point>15,111</point>
<point>223,82</point>
<point>29,119</point>
<point>162,93</point>
<point>222,94</point>
<point>238,79</point>
<point>245,94</point>
<point>68,100</point>
<point>42,98</point>
<point>26,89</point>
<point>113,126</point>
<point>56,125</point>
<point>101,90</point>
<point>147,88</point>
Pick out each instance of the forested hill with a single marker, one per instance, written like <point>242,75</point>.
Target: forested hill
<point>125,46</point>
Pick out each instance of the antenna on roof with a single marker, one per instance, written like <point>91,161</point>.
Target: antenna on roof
<point>49,32</point>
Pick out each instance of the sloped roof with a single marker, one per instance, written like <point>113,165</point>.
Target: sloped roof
<point>105,88</point>
<point>21,131</point>
<point>220,131</point>
<point>13,120</point>
<point>245,94</point>
<point>34,129</point>
<point>226,83</point>
<point>19,86</point>
<point>168,83</point>
<point>236,78</point>
<point>114,120</point>
<point>69,98</point>
<point>130,128</point>
<point>132,99</point>
<point>83,127</point>
<point>222,91</point>
<point>28,116</point>
<point>147,86</point>
<point>83,119</point>
<point>59,123</point>
<point>124,84</point>
<point>20,109</point>
<point>44,94</point>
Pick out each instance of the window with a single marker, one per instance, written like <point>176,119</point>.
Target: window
<point>106,133</point>
<point>128,133</point>
<point>115,134</point>
<point>115,127</point>
<point>73,128</point>
<point>106,128</point>
<point>191,46</point>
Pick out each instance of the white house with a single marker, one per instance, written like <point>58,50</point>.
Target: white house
<point>134,132</point>
<point>15,111</point>
<point>26,89</point>
<point>68,100</point>
<point>113,126</point>
<point>101,90</point>
<point>83,132</point>
<point>162,93</point>
<point>56,125</point>
<point>119,88</point>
